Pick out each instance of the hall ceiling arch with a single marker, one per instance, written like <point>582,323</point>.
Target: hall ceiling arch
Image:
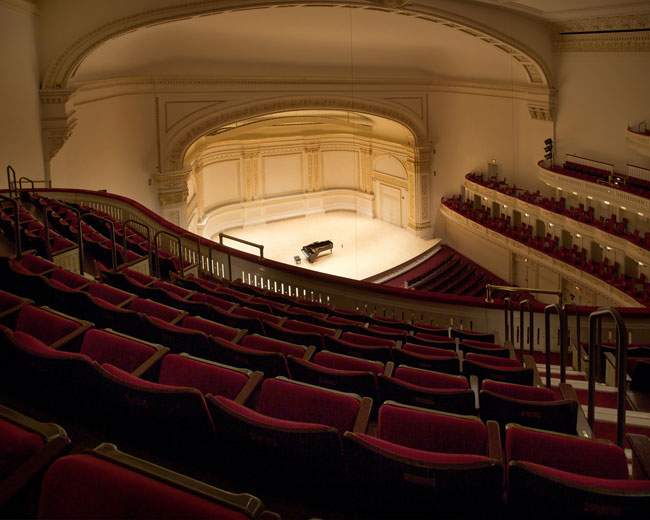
<point>530,65</point>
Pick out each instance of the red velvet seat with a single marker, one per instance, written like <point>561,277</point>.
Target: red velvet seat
<point>211,328</point>
<point>158,310</point>
<point>264,317</point>
<point>270,363</point>
<point>432,340</point>
<point>106,483</point>
<point>301,326</point>
<point>315,339</point>
<point>127,353</point>
<point>110,294</point>
<point>427,358</point>
<point>212,300</point>
<point>428,389</point>
<point>467,346</point>
<point>471,335</point>
<point>377,352</point>
<point>552,473</point>
<point>264,344</point>
<point>27,447</point>
<point>497,369</point>
<point>52,328</point>
<point>295,432</point>
<point>426,464</point>
<point>164,416</point>
<point>366,340</point>
<point>339,372</point>
<point>11,304</point>
<point>209,377</point>
<point>528,406</point>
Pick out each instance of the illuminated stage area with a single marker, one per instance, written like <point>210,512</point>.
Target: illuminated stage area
<point>363,246</point>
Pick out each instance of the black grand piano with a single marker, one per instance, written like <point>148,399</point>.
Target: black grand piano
<point>313,250</point>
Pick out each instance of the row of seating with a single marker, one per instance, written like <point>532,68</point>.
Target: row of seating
<point>99,483</point>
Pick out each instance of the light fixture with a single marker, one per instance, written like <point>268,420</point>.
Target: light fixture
<point>640,214</point>
<point>494,161</point>
<point>577,288</point>
<point>578,235</point>
<point>589,197</point>
<point>526,260</point>
<point>641,264</point>
<point>559,189</point>
<point>550,224</point>
<point>609,248</point>
<point>484,198</point>
<point>575,193</point>
<point>623,208</point>
<point>526,215</point>
<point>505,206</point>
<point>606,202</point>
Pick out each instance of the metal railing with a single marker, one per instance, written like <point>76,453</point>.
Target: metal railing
<point>17,243</point>
<point>563,343</point>
<point>252,244</point>
<point>128,224</point>
<point>509,324</point>
<point>595,336</point>
<point>46,222</point>
<point>508,288</point>
<point>531,327</point>
<point>578,346</point>
<point>11,184</point>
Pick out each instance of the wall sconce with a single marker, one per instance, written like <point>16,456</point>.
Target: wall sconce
<point>623,208</point>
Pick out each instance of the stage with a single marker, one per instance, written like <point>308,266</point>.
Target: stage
<point>363,246</point>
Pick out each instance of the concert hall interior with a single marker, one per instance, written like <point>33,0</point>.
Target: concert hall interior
<point>336,259</point>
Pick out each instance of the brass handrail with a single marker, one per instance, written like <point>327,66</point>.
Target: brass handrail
<point>253,244</point>
<point>489,288</point>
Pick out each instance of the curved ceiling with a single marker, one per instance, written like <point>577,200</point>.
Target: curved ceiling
<point>303,42</point>
<point>306,124</point>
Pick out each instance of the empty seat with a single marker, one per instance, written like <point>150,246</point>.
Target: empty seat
<point>11,304</point>
<point>428,389</point>
<point>106,483</point>
<point>468,334</point>
<point>302,338</point>
<point>51,327</point>
<point>528,406</point>
<point>158,310</point>
<point>483,347</point>
<point>377,352</point>
<point>211,328</point>
<point>209,377</point>
<point>339,372</point>
<point>497,369</point>
<point>179,339</point>
<point>432,340</point>
<point>294,435</point>
<point>553,473</point>
<point>272,364</point>
<point>132,355</point>
<point>426,464</point>
<point>27,447</point>
<point>264,344</point>
<point>428,358</point>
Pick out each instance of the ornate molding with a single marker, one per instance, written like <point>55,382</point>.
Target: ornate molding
<point>62,69</point>
<point>55,138</point>
<point>603,42</point>
<point>174,156</point>
<point>173,187</point>
<point>604,23</point>
<point>390,180</point>
<point>541,112</point>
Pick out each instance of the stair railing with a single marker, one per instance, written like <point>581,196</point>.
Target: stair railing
<point>11,184</point>
<point>111,226</point>
<point>563,341</point>
<point>595,336</point>
<point>17,244</point>
<point>509,324</point>
<point>577,336</point>
<point>531,342</point>
<point>129,224</point>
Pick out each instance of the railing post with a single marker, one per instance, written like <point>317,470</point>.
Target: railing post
<point>128,224</point>
<point>509,326</point>
<point>577,340</point>
<point>563,336</point>
<point>595,333</point>
<point>526,303</point>
<point>11,185</point>
<point>14,202</point>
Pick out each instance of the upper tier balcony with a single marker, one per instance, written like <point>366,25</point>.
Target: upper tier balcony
<point>638,140</point>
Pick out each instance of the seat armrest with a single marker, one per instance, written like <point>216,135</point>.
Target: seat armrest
<point>361,424</point>
<point>529,362</point>
<point>640,445</point>
<point>149,363</point>
<point>582,426</point>
<point>179,318</point>
<point>337,333</point>
<point>249,388</point>
<point>390,368</point>
<point>75,335</point>
<point>495,450</point>
<point>473,384</point>
<point>309,353</point>
<point>239,336</point>
<point>282,320</point>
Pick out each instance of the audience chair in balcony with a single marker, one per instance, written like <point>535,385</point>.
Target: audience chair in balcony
<point>435,390</point>
<point>107,483</point>
<point>214,329</point>
<point>379,351</point>
<point>498,369</point>
<point>294,435</point>
<point>265,344</point>
<point>27,448</point>
<point>427,358</point>
<point>471,335</point>
<point>426,464</point>
<point>157,310</point>
<point>432,340</point>
<point>340,372</point>
<point>316,339</point>
<point>531,406</point>
<point>552,474</point>
<point>467,346</point>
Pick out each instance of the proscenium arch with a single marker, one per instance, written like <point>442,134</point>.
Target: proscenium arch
<point>63,68</point>
<point>175,157</point>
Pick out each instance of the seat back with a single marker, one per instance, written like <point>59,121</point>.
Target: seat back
<point>467,334</point>
<point>497,369</point>
<point>48,327</point>
<point>483,347</point>
<point>123,352</point>
<point>264,344</point>
<point>381,353</point>
<point>528,406</point>
<point>291,336</point>
<point>106,483</point>
<point>272,364</point>
<point>211,328</point>
<point>427,358</point>
<point>367,340</point>
<point>178,339</point>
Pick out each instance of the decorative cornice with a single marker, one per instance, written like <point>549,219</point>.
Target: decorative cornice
<point>21,6</point>
<point>604,23</point>
<point>603,42</point>
<point>390,179</point>
<point>542,112</point>
<point>61,70</point>
<point>54,96</point>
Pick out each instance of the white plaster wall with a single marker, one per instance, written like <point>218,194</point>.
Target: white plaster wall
<point>467,131</point>
<point>112,147</point>
<point>221,183</point>
<point>282,174</point>
<point>339,169</point>
<point>599,95</point>
<point>20,132</point>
